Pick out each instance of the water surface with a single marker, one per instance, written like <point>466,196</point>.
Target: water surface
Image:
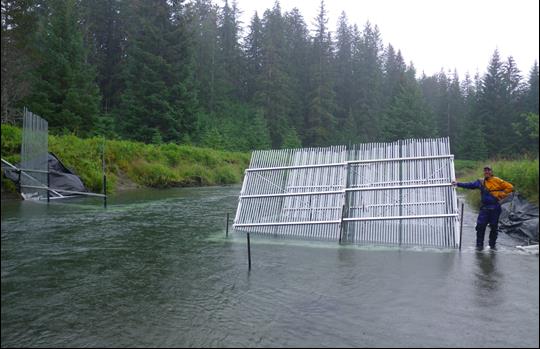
<point>155,269</point>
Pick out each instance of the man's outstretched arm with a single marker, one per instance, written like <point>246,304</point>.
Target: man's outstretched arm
<point>469,185</point>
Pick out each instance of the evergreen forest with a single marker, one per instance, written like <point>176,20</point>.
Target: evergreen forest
<point>189,72</point>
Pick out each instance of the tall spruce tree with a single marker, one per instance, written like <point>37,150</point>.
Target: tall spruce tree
<point>471,144</point>
<point>203,26</point>
<point>231,59</point>
<point>532,95</point>
<point>19,23</point>
<point>344,84</point>
<point>105,36</point>
<point>368,80</point>
<point>273,96</point>
<point>64,92</point>
<point>491,105</point>
<point>296,52</point>
<point>456,111</point>
<point>525,125</point>
<point>408,116</point>
<point>253,51</point>
<point>320,120</point>
<point>158,103</point>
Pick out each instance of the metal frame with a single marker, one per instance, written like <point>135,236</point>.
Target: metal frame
<point>34,174</point>
<point>383,193</point>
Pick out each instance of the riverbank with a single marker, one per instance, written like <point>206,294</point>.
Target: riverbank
<point>132,164</point>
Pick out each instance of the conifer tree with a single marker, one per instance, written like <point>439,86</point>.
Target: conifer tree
<point>19,23</point>
<point>104,30</point>
<point>456,111</point>
<point>253,50</point>
<point>531,95</point>
<point>408,116</point>
<point>320,120</point>
<point>273,96</point>
<point>231,60</point>
<point>344,89</point>
<point>203,26</point>
<point>368,79</point>
<point>64,92</point>
<point>159,103</point>
<point>297,52</point>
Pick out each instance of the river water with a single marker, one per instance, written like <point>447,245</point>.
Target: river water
<point>155,269</point>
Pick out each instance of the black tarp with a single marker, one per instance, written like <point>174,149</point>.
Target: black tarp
<point>60,177</point>
<point>519,218</point>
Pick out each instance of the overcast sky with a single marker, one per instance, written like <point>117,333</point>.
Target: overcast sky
<point>434,34</point>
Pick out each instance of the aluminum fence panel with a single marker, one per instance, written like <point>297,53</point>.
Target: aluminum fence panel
<point>384,193</point>
<point>34,155</point>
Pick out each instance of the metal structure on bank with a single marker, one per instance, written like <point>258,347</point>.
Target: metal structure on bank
<point>34,157</point>
<point>397,193</point>
<point>34,172</point>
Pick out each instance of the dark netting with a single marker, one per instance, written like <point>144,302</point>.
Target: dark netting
<point>519,218</point>
<point>61,177</point>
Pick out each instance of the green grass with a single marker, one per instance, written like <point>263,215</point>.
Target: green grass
<point>171,165</point>
<point>149,165</point>
<point>522,173</point>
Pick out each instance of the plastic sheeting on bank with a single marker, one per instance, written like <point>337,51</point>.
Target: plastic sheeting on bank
<point>60,177</point>
<point>519,218</point>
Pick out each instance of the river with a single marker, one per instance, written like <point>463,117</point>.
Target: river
<point>155,269</point>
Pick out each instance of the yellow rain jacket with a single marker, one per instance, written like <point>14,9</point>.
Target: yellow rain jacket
<point>498,187</point>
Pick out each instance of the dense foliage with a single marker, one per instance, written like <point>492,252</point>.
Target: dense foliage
<point>162,71</point>
<point>130,164</point>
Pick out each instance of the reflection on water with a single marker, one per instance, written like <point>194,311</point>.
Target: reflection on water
<point>155,270</point>
<point>488,278</point>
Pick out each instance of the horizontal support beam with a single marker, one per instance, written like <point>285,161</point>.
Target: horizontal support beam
<point>63,191</point>
<point>292,194</point>
<point>292,167</point>
<point>429,216</point>
<point>16,169</point>
<point>412,186</point>
<point>240,225</point>
<point>398,181</point>
<point>30,170</point>
<point>313,208</point>
<point>399,204</point>
<point>367,205</point>
<point>59,197</point>
<point>432,157</point>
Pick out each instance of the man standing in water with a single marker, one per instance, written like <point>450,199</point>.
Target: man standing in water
<point>493,189</point>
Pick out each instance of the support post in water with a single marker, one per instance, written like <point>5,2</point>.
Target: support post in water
<point>249,252</point>
<point>227,227</point>
<point>19,181</point>
<point>104,176</point>
<point>461,227</point>
<point>341,223</point>
<point>48,183</point>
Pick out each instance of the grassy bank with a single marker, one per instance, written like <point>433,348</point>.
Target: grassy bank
<point>148,165</point>
<point>523,174</point>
